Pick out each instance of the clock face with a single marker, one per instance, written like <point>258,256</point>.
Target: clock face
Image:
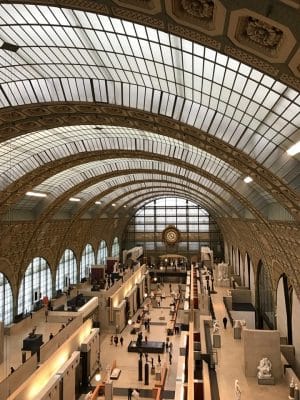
<point>171,235</point>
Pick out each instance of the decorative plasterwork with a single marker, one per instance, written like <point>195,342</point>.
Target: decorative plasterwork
<point>295,64</point>
<point>147,6</point>
<point>202,15</point>
<point>260,35</point>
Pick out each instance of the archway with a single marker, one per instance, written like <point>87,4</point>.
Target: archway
<point>265,315</point>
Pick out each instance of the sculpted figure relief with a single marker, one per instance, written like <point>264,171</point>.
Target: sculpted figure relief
<point>198,8</point>
<point>264,368</point>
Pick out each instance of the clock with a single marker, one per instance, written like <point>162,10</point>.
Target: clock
<point>171,235</point>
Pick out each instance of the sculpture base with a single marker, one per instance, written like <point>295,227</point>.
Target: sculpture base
<point>216,340</point>
<point>149,347</point>
<point>266,381</point>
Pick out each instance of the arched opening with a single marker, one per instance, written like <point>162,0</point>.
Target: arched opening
<point>6,300</point>
<point>102,253</point>
<point>284,309</point>
<point>265,316</point>
<point>36,284</point>
<point>115,249</point>
<point>87,259</point>
<point>66,271</point>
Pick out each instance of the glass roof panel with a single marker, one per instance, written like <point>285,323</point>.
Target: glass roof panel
<point>69,55</point>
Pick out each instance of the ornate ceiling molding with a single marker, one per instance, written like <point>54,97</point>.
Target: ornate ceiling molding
<point>201,15</point>
<point>264,39</point>
<point>261,36</point>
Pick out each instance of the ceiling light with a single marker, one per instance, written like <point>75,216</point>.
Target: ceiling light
<point>9,47</point>
<point>98,202</point>
<point>125,206</point>
<point>248,179</point>
<point>113,204</point>
<point>74,199</point>
<point>295,149</point>
<point>36,194</point>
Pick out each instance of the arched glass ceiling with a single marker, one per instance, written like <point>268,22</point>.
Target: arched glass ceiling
<point>70,55</point>
<point>139,180</point>
<point>60,183</point>
<point>136,202</point>
<point>34,150</point>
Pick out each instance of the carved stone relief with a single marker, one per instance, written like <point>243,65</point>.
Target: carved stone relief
<point>260,35</point>
<point>201,15</point>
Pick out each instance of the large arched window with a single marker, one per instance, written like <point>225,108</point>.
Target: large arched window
<point>87,259</point>
<point>102,253</point>
<point>35,285</point>
<point>115,248</point>
<point>264,299</point>
<point>196,227</point>
<point>6,300</point>
<point>284,308</point>
<point>66,271</point>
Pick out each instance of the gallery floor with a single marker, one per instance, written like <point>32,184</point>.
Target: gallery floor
<point>229,368</point>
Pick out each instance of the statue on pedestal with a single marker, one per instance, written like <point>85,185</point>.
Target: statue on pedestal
<point>216,327</point>
<point>264,368</point>
<point>139,340</point>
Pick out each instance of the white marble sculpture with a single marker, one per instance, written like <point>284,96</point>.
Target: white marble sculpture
<point>216,327</point>
<point>237,390</point>
<point>264,368</point>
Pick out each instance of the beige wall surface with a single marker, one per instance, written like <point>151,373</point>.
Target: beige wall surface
<point>259,344</point>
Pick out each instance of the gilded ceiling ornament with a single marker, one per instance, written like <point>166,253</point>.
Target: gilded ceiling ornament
<point>262,33</point>
<point>198,8</point>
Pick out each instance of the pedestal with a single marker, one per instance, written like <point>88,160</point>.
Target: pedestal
<point>108,390</point>
<point>216,340</point>
<point>152,370</point>
<point>266,381</point>
<point>157,376</point>
<point>237,332</point>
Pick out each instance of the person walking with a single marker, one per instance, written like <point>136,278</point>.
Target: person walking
<point>121,340</point>
<point>129,393</point>
<point>46,314</point>
<point>170,358</point>
<point>225,322</point>
<point>116,340</point>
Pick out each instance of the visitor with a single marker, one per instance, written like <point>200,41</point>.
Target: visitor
<point>112,339</point>
<point>116,340</point>
<point>51,336</point>
<point>225,322</point>
<point>12,370</point>
<point>129,393</point>
<point>121,340</point>
<point>170,358</point>
<point>46,314</point>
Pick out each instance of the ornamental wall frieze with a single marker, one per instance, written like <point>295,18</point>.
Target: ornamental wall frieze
<point>138,17</point>
<point>260,35</point>
<point>195,36</point>
<point>201,15</point>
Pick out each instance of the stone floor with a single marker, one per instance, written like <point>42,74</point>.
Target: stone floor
<point>229,368</point>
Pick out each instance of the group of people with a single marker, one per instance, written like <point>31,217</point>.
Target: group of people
<point>115,340</point>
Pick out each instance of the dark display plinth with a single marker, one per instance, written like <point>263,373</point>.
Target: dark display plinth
<point>149,347</point>
<point>33,343</point>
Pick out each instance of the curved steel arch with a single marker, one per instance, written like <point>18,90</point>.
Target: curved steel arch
<point>85,114</point>
<point>32,179</point>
